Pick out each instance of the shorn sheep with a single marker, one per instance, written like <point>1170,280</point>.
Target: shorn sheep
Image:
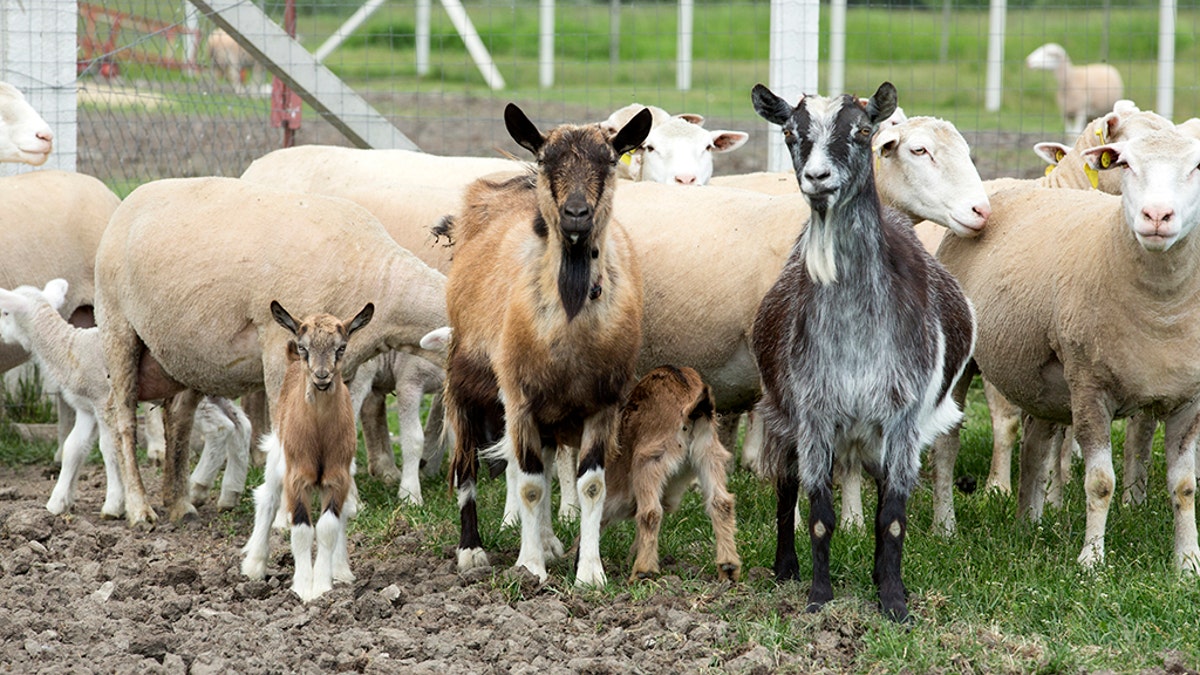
<point>25,137</point>
<point>833,383</point>
<point>1086,312</point>
<point>243,72</point>
<point>311,447</point>
<point>74,359</point>
<point>185,275</point>
<point>1084,92</point>
<point>545,304</point>
<point>668,439</point>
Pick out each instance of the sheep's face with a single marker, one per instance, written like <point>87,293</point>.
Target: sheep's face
<point>320,342</point>
<point>925,170</point>
<point>1160,185</point>
<point>1050,56</point>
<point>679,152</point>
<point>829,140</point>
<point>24,135</point>
<point>18,306</point>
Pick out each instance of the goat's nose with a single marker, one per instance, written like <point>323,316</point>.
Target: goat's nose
<point>1158,215</point>
<point>685,179</point>
<point>818,175</point>
<point>577,210</point>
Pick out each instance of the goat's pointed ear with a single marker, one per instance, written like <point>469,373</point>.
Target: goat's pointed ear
<point>523,131</point>
<point>282,317</point>
<point>634,132</point>
<point>363,318</point>
<point>769,106</point>
<point>882,104</point>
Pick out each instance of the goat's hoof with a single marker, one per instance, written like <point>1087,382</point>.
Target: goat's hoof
<point>896,611</point>
<point>254,568</point>
<point>57,508</point>
<point>112,513</point>
<point>729,571</point>
<point>141,519</point>
<point>410,496</point>
<point>471,558</point>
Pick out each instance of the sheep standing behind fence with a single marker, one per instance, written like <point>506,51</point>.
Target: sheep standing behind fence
<point>834,384</point>
<point>1084,92</point>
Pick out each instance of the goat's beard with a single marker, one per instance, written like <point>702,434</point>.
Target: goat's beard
<point>575,275</point>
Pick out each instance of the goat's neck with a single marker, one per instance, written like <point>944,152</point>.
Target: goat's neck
<point>845,240</point>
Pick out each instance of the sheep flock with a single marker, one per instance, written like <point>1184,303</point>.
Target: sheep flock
<point>596,310</point>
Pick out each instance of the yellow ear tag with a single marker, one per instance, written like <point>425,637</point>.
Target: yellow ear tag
<point>1059,154</point>
<point>1106,159</point>
<point>1100,133</point>
<point>1093,175</point>
<point>878,160</point>
<point>627,158</point>
<point>1050,168</point>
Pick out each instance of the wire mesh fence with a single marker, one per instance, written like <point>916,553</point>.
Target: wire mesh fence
<point>156,101</point>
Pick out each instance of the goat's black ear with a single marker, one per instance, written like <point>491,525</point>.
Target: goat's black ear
<point>634,132</point>
<point>282,317</point>
<point>523,131</point>
<point>882,104</point>
<point>769,106</point>
<point>363,318</point>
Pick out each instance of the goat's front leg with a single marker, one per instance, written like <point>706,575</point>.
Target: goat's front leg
<point>178,419</point>
<point>891,524</point>
<point>599,440</point>
<point>1182,430</point>
<point>533,488</point>
<point>297,499</point>
<point>821,524</point>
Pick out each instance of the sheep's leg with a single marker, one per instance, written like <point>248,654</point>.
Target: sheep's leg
<point>156,434</point>
<point>1039,450</point>
<point>381,460</point>
<point>891,524</point>
<point>179,417</point>
<point>266,504</point>
<point>66,421</point>
<point>821,523</point>
<point>1006,421</point>
<point>848,471</point>
<point>1092,425</point>
<point>114,494</point>
<point>237,460</point>
<point>1061,454</point>
<point>752,442</point>
<point>787,489</point>
<point>1139,443</point>
<point>727,431</point>
<point>1182,430</point>
<point>943,456</point>
<point>74,452</point>
<point>212,455</point>
<point>566,462</point>
<point>412,441</point>
<point>254,405</point>
<point>711,459</point>
<point>123,352</point>
<point>532,489</point>
<point>599,441</point>
<point>435,444</point>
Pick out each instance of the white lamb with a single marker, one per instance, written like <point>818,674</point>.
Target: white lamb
<point>74,359</point>
<point>1084,92</point>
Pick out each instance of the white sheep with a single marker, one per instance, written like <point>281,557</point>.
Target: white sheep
<point>1085,312</point>
<point>25,137</point>
<point>233,62</point>
<point>185,274</point>
<point>221,440</point>
<point>680,152</point>
<point>1084,92</point>
<point>74,359</point>
<point>311,448</point>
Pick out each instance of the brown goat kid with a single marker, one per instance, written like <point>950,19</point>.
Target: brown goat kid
<point>545,303</point>
<point>668,438</point>
<point>311,446</point>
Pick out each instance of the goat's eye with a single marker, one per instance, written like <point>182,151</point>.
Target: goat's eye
<point>648,148</point>
<point>341,351</point>
<point>787,133</point>
<point>301,351</point>
<point>864,132</point>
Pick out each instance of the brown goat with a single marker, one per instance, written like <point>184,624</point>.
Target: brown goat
<point>545,303</point>
<point>312,445</point>
<point>668,438</point>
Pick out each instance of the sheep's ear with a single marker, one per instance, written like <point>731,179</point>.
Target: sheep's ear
<point>769,106</point>
<point>886,141</point>
<point>882,104</point>
<point>523,131</point>
<point>1105,156</point>
<point>727,141</point>
<point>437,339</point>
<point>282,317</point>
<point>634,132</point>
<point>1052,153</point>
<point>692,118</point>
<point>56,292</point>
<point>363,318</point>
<point>13,302</point>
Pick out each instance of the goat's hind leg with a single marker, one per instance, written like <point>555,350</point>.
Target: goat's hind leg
<point>719,503</point>
<point>787,489</point>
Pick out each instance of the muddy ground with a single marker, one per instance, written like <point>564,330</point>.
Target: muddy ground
<point>80,594</point>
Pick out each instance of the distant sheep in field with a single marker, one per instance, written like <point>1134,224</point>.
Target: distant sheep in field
<point>1084,92</point>
<point>311,447</point>
<point>233,62</point>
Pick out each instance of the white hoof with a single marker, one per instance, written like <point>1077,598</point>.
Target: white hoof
<point>59,506</point>
<point>229,501</point>
<point>538,571</point>
<point>254,568</point>
<point>198,493</point>
<point>471,558</point>
<point>1092,556</point>
<point>411,495</point>
<point>1188,562</point>
<point>590,574</point>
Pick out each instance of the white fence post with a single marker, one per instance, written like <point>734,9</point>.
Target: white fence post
<point>1165,104</point>
<point>683,52</point>
<point>837,47</point>
<point>546,43</point>
<point>995,56</point>
<point>37,55</point>
<point>795,39</point>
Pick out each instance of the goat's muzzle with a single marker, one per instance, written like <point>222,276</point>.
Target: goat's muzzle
<point>322,381</point>
<point>576,219</point>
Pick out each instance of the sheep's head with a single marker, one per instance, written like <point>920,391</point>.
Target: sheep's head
<point>18,306</point>
<point>681,152</point>
<point>1050,56</point>
<point>829,140</point>
<point>24,135</point>
<point>320,341</point>
<point>576,178</point>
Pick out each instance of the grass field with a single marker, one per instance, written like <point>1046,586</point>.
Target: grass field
<point>1002,596</point>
